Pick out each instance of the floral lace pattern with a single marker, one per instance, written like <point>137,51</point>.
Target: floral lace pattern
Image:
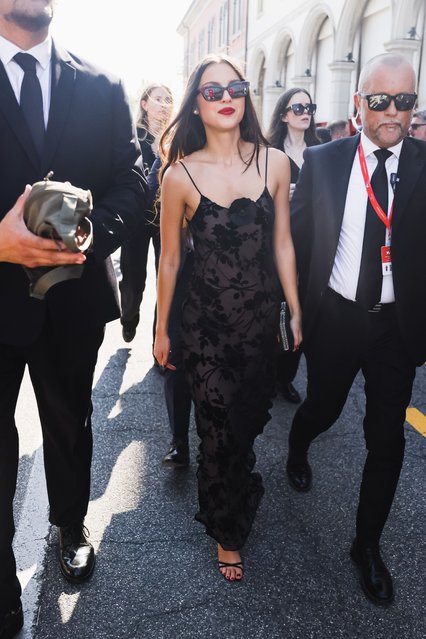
<point>230,323</point>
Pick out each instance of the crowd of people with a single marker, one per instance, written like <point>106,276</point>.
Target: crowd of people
<point>239,221</point>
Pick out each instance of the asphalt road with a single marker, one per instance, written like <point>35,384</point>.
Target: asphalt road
<point>156,575</point>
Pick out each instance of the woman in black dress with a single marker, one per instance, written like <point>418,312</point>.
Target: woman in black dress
<point>155,107</point>
<point>232,192</point>
<point>292,129</point>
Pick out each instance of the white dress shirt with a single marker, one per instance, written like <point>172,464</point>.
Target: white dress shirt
<point>42,53</point>
<point>345,274</point>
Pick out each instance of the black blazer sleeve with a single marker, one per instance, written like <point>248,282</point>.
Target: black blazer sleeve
<point>116,212</point>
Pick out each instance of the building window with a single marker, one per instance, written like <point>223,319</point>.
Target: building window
<point>192,54</point>
<point>223,34</point>
<point>201,40</point>
<point>237,18</point>
<point>210,36</point>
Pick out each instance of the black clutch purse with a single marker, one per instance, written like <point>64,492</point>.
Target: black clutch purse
<point>286,334</point>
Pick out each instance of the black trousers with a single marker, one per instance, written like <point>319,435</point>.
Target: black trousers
<point>287,364</point>
<point>61,372</point>
<point>176,388</point>
<point>133,266</point>
<point>347,339</point>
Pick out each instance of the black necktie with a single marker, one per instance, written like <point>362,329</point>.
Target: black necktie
<point>31,101</point>
<point>370,275</point>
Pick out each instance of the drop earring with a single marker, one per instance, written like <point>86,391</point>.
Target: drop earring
<point>196,112</point>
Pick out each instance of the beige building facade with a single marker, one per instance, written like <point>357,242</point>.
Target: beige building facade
<point>320,46</point>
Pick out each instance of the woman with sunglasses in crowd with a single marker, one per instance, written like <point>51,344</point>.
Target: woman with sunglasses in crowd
<point>292,129</point>
<point>221,180</point>
<point>155,109</point>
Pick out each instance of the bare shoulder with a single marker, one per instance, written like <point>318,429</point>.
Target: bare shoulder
<point>173,177</point>
<point>278,159</point>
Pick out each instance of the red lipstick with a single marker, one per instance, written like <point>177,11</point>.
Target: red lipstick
<point>227,111</point>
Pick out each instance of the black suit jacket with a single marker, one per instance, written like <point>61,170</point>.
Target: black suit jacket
<point>90,142</point>
<point>316,216</point>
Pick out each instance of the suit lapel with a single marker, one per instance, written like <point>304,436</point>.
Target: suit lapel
<point>13,114</point>
<point>62,89</point>
<point>410,168</point>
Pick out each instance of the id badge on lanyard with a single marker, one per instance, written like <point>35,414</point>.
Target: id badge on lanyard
<point>385,251</point>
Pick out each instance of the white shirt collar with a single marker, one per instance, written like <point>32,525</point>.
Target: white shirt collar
<point>42,52</point>
<point>369,147</point>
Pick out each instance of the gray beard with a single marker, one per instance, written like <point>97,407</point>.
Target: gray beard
<point>29,23</point>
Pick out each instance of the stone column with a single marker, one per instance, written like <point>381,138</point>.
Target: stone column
<point>404,46</point>
<point>340,89</point>
<point>270,97</point>
<point>302,81</point>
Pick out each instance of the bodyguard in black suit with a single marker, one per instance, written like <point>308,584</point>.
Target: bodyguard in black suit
<point>88,140</point>
<point>362,270</point>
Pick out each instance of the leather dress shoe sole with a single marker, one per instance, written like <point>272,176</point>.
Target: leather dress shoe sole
<point>367,588</point>
<point>11,623</point>
<point>299,474</point>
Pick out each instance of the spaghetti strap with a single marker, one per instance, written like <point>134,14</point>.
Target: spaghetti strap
<point>190,177</point>
<point>266,167</point>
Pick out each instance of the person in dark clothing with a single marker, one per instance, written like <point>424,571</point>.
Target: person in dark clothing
<point>291,130</point>
<point>156,104</point>
<point>78,125</point>
<point>177,393</point>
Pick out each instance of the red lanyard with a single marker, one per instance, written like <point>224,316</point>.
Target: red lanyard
<point>387,220</point>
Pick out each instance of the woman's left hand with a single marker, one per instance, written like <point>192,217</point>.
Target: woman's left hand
<point>296,328</point>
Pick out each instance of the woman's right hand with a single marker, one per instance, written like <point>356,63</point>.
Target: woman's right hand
<point>162,351</point>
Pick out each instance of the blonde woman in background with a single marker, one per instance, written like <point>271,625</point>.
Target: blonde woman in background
<point>155,109</point>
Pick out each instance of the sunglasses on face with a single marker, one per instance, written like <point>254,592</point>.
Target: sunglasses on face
<point>299,108</point>
<point>236,89</point>
<point>381,101</point>
<point>160,100</point>
<point>416,125</point>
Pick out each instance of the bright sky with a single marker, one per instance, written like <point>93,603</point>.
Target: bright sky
<point>136,39</point>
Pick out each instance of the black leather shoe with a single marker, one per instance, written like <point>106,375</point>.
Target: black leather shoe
<point>178,457</point>
<point>128,333</point>
<point>290,393</point>
<point>374,577</point>
<point>299,472</point>
<point>76,554</point>
<point>11,623</point>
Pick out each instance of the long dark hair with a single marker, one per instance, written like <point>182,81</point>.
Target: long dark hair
<point>278,129</point>
<point>186,133</point>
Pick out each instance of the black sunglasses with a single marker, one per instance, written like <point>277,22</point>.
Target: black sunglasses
<point>416,125</point>
<point>300,109</point>
<point>236,89</point>
<point>381,101</point>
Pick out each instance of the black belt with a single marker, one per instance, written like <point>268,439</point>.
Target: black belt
<point>377,308</point>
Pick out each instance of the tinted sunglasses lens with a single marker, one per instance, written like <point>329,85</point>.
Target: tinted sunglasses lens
<point>378,101</point>
<point>211,94</point>
<point>238,89</point>
<point>300,109</point>
<point>405,101</point>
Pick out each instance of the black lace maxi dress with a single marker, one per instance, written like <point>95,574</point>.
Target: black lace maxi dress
<point>230,325</point>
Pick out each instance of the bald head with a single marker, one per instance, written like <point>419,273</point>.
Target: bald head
<point>382,63</point>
